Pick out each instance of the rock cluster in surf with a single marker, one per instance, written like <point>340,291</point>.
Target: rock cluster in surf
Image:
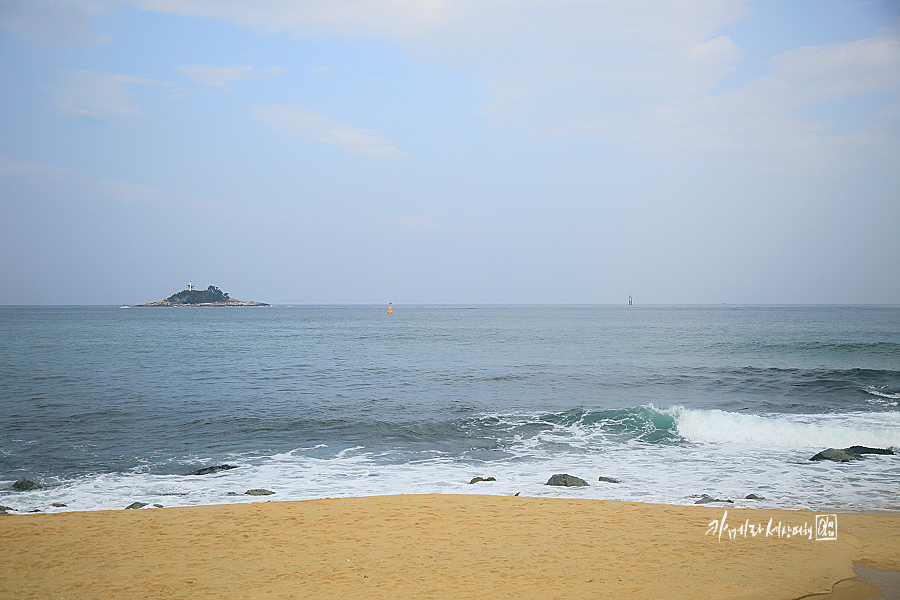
<point>26,483</point>
<point>849,454</point>
<point>211,470</point>
<point>567,480</point>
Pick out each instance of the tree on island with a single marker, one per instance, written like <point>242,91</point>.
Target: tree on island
<point>210,295</point>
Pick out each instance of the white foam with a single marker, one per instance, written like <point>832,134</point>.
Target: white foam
<point>727,455</point>
<point>666,474</point>
<point>877,392</point>
<point>882,398</point>
<point>790,431</point>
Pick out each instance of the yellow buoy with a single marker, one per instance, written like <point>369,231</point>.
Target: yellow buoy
<point>390,311</point>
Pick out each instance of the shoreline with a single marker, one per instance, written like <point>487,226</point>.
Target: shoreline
<point>441,546</point>
<point>235,498</point>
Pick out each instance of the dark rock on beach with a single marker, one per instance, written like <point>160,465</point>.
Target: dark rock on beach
<point>567,480</point>
<point>258,492</point>
<point>610,480</point>
<point>25,484</point>
<point>58,505</point>
<point>136,505</point>
<point>477,479</point>
<point>848,454</point>
<point>215,469</point>
<point>753,497</point>
<point>706,499</point>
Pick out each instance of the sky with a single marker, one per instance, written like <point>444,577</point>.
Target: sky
<point>450,151</point>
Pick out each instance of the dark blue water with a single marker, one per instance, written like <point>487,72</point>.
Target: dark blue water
<point>329,401</point>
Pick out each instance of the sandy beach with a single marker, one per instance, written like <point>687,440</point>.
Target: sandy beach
<point>443,546</point>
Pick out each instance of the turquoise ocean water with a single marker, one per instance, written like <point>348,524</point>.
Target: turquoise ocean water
<point>107,406</point>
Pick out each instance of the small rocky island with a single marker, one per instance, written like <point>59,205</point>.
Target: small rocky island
<point>211,296</point>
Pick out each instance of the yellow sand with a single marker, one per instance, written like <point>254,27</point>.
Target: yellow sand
<point>434,546</point>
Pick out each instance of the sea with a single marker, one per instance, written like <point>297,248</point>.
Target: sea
<point>106,406</point>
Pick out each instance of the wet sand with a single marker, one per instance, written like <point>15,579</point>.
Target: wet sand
<point>440,546</point>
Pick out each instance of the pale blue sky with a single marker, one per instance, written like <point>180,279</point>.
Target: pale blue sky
<point>450,151</point>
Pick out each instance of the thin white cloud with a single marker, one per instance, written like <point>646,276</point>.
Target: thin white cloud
<point>224,77</point>
<point>720,49</point>
<point>297,121</point>
<point>53,21</point>
<point>634,71</point>
<point>547,67</point>
<point>315,17</point>
<point>89,93</point>
<point>760,125</point>
<point>822,73</point>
